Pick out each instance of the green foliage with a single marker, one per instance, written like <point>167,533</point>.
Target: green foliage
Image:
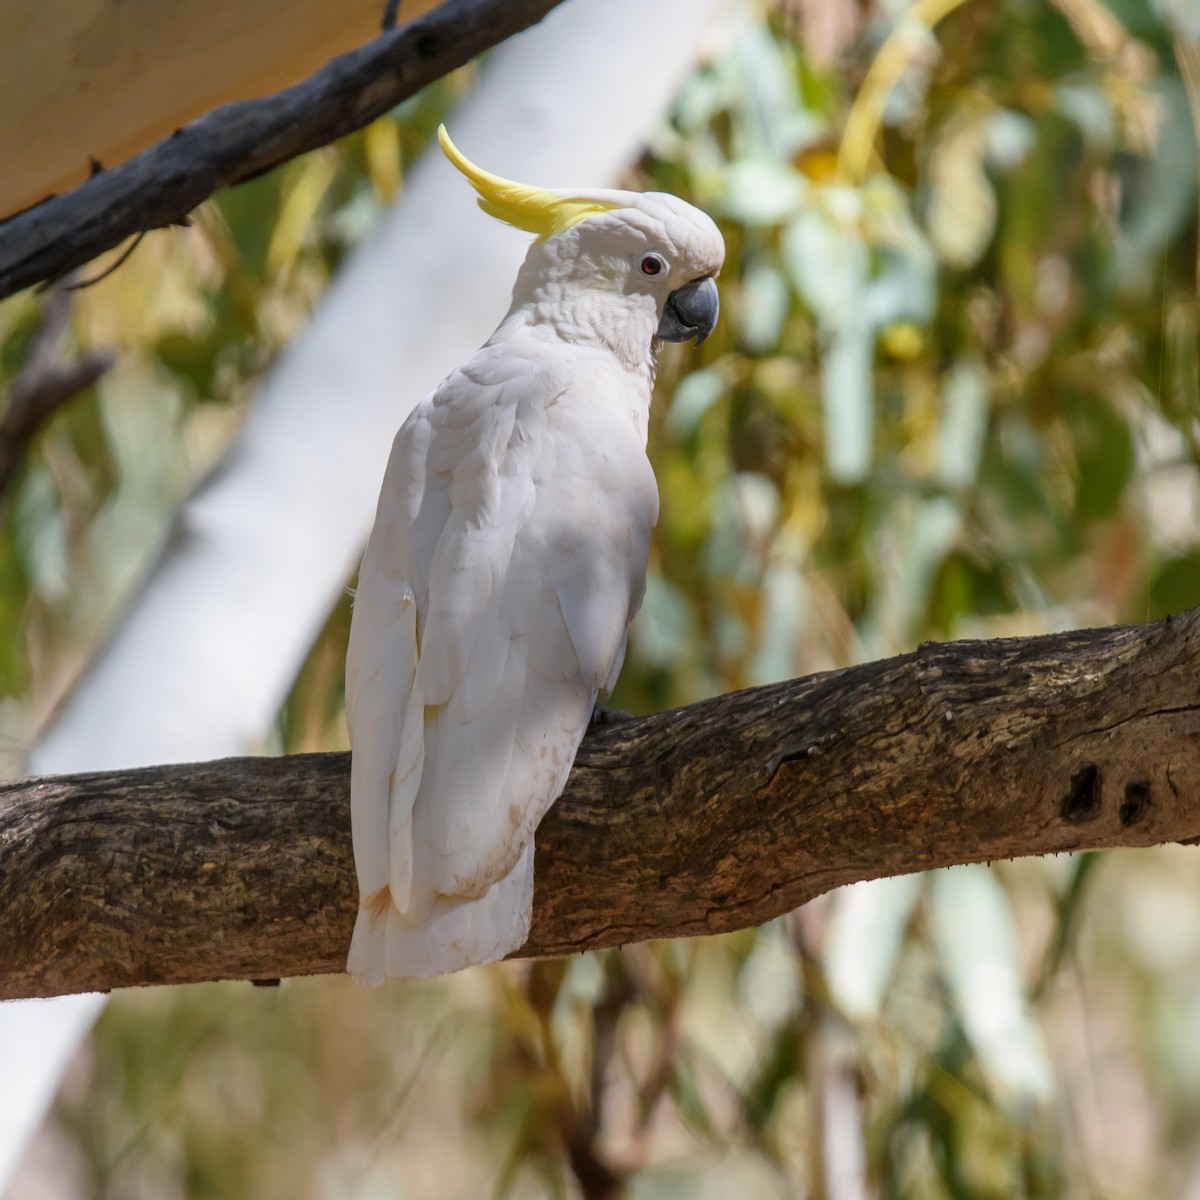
<point>955,398</point>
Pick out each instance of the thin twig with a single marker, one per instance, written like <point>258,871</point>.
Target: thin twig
<point>44,383</point>
<point>121,259</point>
<point>391,11</point>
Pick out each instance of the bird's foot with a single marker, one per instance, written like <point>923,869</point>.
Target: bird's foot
<point>608,716</point>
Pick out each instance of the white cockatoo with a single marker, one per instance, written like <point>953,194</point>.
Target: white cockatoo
<point>507,559</point>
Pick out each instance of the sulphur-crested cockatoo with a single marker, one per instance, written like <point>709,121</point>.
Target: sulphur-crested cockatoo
<point>507,559</point>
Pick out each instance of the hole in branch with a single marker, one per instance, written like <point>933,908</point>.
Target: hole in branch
<point>1082,802</point>
<point>1137,800</point>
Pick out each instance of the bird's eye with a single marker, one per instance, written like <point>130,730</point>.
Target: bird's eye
<point>653,264</point>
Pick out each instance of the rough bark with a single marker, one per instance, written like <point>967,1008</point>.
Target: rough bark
<point>236,142</point>
<point>706,819</point>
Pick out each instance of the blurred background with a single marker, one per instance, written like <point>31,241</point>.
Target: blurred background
<point>953,394</point>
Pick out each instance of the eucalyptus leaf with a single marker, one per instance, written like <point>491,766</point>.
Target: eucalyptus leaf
<point>746,512</point>
<point>1089,108</point>
<point>664,630</point>
<point>971,922</point>
<point>962,207</point>
<point>1008,138</point>
<point>864,938</point>
<point>829,266</point>
<point>1165,196</point>
<point>694,396</point>
<point>847,395</point>
<point>763,308</point>
<point>963,426</point>
<point>769,983</point>
<point>762,191</point>
<point>785,615</point>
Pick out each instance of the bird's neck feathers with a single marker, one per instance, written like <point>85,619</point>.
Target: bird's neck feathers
<point>579,303</point>
<point>622,325</point>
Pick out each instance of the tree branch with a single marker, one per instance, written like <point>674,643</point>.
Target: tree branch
<point>702,820</point>
<point>236,142</point>
<point>44,383</point>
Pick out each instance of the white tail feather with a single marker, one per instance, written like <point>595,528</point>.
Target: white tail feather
<point>457,934</point>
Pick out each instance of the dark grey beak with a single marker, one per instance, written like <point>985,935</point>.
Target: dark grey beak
<point>690,312</point>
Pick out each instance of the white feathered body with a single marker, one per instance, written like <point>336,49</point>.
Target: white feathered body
<point>507,559</point>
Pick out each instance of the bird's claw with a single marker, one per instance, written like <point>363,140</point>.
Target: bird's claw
<point>608,716</point>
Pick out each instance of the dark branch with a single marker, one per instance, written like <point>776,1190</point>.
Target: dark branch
<point>702,820</point>
<point>236,142</point>
<point>45,382</point>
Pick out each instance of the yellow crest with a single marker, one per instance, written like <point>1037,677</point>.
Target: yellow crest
<point>536,210</point>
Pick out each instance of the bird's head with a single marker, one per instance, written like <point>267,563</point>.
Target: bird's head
<point>624,267</point>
